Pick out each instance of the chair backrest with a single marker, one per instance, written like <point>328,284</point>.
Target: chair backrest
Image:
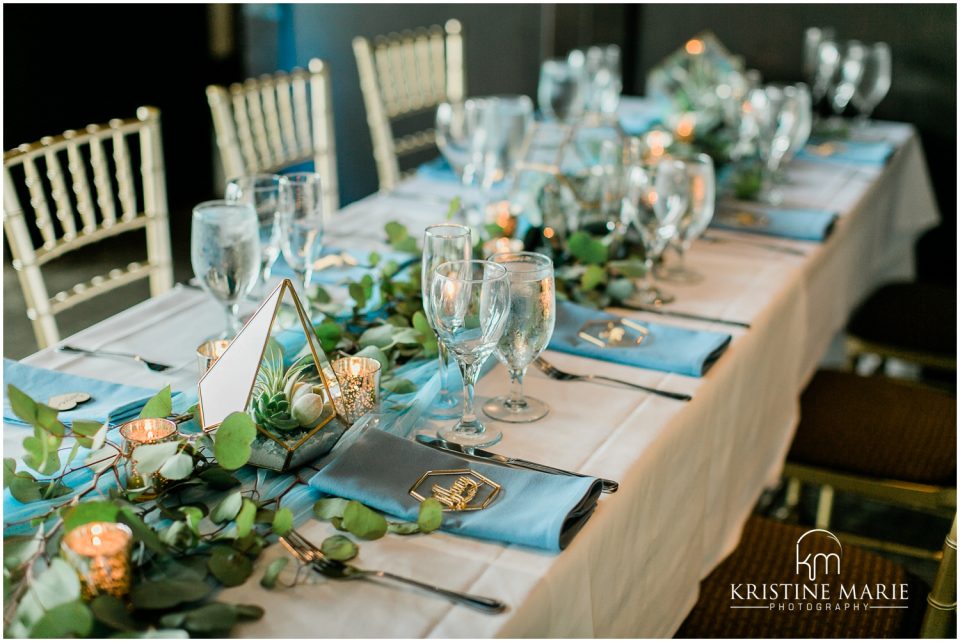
<point>266,124</point>
<point>404,74</point>
<point>97,196</point>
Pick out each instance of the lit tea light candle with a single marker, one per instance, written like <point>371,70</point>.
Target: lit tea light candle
<point>359,379</point>
<point>502,244</point>
<point>657,142</point>
<point>143,432</point>
<point>100,554</point>
<point>209,352</point>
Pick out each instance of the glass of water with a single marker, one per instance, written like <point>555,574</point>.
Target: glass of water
<point>301,227</point>
<point>469,309</point>
<point>225,254</point>
<point>530,323</point>
<point>696,217</point>
<point>271,198</point>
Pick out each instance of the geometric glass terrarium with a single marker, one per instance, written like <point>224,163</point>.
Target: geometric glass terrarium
<point>276,371</point>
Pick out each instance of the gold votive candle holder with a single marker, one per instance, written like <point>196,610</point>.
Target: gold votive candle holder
<point>100,554</point>
<point>144,432</point>
<point>359,379</point>
<point>209,352</point>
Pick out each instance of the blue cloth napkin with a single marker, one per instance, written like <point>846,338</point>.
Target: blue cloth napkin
<point>533,509</point>
<point>799,224</point>
<point>438,169</point>
<point>666,348</point>
<point>874,153</point>
<point>114,401</point>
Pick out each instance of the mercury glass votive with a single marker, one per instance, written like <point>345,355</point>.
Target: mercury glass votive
<point>359,379</point>
<point>143,432</point>
<point>100,554</point>
<point>209,352</point>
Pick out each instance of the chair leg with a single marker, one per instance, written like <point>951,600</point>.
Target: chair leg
<point>942,600</point>
<point>824,507</point>
<point>791,500</point>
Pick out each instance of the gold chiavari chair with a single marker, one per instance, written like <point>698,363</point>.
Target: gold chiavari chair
<point>266,124</point>
<point>98,186</point>
<point>403,75</point>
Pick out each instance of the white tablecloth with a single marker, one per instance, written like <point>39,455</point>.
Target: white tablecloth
<point>689,473</point>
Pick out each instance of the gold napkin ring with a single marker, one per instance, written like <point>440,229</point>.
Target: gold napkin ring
<point>468,490</point>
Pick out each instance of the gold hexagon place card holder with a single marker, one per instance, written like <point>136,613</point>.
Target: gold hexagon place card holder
<point>462,489</point>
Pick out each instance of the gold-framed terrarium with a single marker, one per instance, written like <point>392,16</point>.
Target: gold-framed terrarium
<point>276,372</point>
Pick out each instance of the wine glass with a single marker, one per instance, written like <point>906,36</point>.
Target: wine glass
<point>849,75</point>
<point>655,199</point>
<point>696,217</point>
<point>874,82</point>
<point>800,92</point>
<point>471,302</point>
<point>812,37</point>
<point>828,62</point>
<point>530,322</point>
<point>442,243</point>
<point>225,254</point>
<point>453,139</point>
<point>604,83</point>
<point>560,92</point>
<point>301,226</point>
<point>270,196</point>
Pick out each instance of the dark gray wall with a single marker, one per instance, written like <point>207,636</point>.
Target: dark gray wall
<point>502,56</point>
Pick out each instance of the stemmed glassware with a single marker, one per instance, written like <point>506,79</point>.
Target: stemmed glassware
<point>469,309</point>
<point>601,66</point>
<point>442,243</point>
<point>453,139</point>
<point>849,75</point>
<point>271,198</point>
<point>874,82</point>
<point>530,323</point>
<point>225,254</point>
<point>696,217</point>
<point>301,227</point>
<point>561,91</point>
<point>654,201</point>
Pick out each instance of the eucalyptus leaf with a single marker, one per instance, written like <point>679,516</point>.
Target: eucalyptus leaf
<point>229,566</point>
<point>328,333</point>
<point>620,289</point>
<point>153,634</point>
<point>9,470</point>
<point>111,611</point>
<point>20,548</point>
<point>178,535</point>
<point>398,385</point>
<point>177,467</point>
<point>380,336</point>
<point>227,508</point>
<point>586,249</point>
<point>245,518</point>
<point>159,406</point>
<point>193,517</point>
<point>100,460</point>
<point>21,403</point>
<point>339,547</point>
<point>70,619</point>
<point>86,512</point>
<point>232,440</point>
<point>403,528</point>
<point>269,579</point>
<point>26,489</point>
<point>219,478</point>
<point>165,594</point>
<point>141,532</point>
<point>430,516</point>
<point>364,522</point>
<point>282,521</point>
<point>373,352</point>
<point>592,277</point>
<point>151,457</point>
<point>330,507</point>
<point>56,585</point>
<point>211,618</point>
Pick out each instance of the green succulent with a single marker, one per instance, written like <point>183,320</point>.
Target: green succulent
<point>271,405</point>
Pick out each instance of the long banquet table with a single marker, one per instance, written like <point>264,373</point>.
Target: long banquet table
<point>689,473</point>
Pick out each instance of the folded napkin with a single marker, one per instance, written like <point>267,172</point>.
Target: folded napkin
<point>666,348</point>
<point>438,169</point>
<point>799,224</point>
<point>533,509</point>
<point>114,401</point>
<point>873,153</point>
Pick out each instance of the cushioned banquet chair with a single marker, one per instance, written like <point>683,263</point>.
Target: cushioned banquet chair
<point>767,555</point>
<point>79,188</point>
<point>277,121</point>
<point>913,322</point>
<point>883,439</point>
<point>403,75</point>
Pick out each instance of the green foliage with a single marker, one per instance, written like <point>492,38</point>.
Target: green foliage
<point>363,522</point>
<point>87,512</point>
<point>159,406</point>
<point>282,521</point>
<point>339,547</point>
<point>430,516</point>
<point>230,566</point>
<point>269,579</point>
<point>231,444</point>
<point>586,249</point>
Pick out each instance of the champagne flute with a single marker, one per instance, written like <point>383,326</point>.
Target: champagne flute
<point>469,309</point>
<point>271,198</point>
<point>442,243</point>
<point>655,199</point>
<point>301,226</point>
<point>530,323</point>
<point>225,254</point>
<point>696,217</point>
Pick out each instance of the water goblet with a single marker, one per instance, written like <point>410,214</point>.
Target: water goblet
<point>225,255</point>
<point>470,305</point>
<point>560,91</point>
<point>301,227</point>
<point>271,198</point>
<point>530,323</point>
<point>874,83</point>
<point>696,217</point>
<point>654,201</point>
<point>442,243</point>
<point>849,75</point>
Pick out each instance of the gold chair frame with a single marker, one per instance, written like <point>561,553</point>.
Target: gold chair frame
<point>857,347</point>
<point>107,209</point>
<point>942,599</point>
<point>407,73</point>
<point>277,120</point>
